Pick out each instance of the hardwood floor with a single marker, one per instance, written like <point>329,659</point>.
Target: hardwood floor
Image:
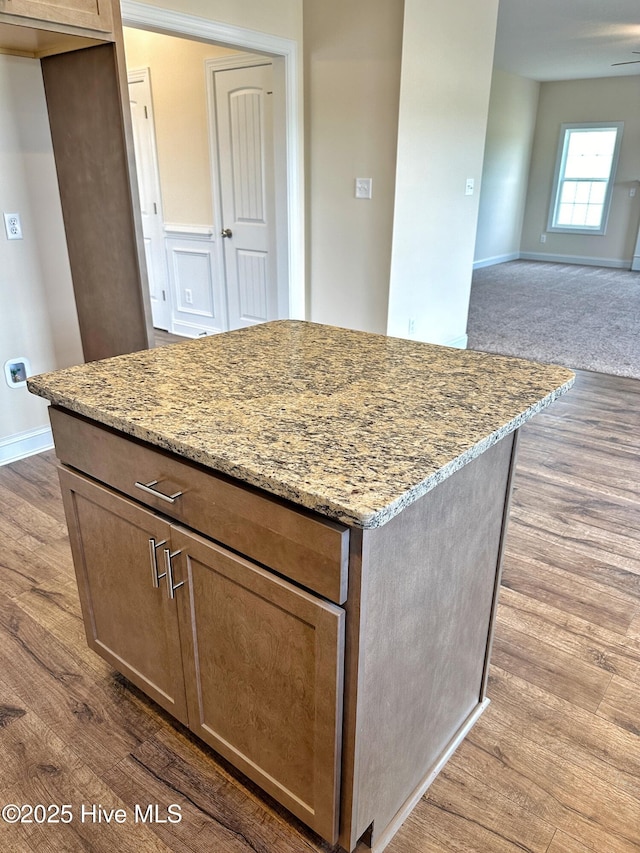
<point>553,766</point>
<point>162,338</point>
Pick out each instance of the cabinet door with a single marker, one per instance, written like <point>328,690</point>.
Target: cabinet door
<point>263,665</point>
<point>85,14</point>
<point>129,621</point>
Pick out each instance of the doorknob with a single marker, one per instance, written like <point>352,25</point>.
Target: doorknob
<point>227,232</point>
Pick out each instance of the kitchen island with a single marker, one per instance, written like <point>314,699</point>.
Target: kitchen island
<point>290,536</point>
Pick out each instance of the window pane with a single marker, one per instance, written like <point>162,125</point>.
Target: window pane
<point>583,191</point>
<point>568,193</point>
<point>589,153</point>
<point>594,215</point>
<point>579,216</point>
<point>564,215</point>
<point>598,190</point>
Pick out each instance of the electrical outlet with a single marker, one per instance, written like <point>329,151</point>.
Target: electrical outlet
<point>16,371</point>
<point>363,187</point>
<point>469,186</point>
<point>12,226</point>
<point>412,326</point>
<point>188,296</point>
<point>543,238</point>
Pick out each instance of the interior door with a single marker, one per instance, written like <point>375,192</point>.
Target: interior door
<point>244,119</point>
<point>149,189</point>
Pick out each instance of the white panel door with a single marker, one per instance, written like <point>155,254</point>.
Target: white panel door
<point>149,189</point>
<point>245,159</point>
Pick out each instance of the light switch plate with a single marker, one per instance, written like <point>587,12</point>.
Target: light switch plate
<point>363,187</point>
<point>12,226</point>
<point>469,186</point>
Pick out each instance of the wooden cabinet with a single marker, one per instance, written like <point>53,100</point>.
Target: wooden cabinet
<point>263,664</point>
<point>86,15</point>
<point>337,667</point>
<point>260,660</point>
<point>129,620</point>
<point>81,50</point>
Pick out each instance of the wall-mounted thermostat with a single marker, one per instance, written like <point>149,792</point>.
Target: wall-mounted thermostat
<point>16,371</point>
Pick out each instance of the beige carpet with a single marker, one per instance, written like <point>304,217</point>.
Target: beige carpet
<point>581,317</point>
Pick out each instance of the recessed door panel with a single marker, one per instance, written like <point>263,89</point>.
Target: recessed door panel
<point>263,668</point>
<point>129,621</point>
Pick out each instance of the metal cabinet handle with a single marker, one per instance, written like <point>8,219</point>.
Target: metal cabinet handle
<point>155,577</point>
<point>171,586</point>
<point>147,487</point>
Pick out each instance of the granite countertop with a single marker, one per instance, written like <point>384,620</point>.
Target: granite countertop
<point>349,424</point>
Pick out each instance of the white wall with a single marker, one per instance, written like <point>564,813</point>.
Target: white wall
<point>38,318</point>
<point>421,235</point>
<point>446,76</point>
<point>603,99</point>
<point>352,78</point>
<point>512,119</point>
<point>178,84</point>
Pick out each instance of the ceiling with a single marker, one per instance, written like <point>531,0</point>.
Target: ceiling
<point>567,39</point>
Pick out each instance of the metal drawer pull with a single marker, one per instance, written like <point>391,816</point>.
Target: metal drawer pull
<point>171,587</point>
<point>147,487</point>
<point>155,577</point>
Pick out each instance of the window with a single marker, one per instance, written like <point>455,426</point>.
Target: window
<point>585,169</point>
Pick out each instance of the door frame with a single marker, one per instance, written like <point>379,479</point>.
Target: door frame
<point>231,63</point>
<point>285,52</point>
<point>143,75</point>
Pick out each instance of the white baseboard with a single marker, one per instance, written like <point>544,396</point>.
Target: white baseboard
<point>613,263</point>
<point>24,444</point>
<point>497,259</point>
<point>458,343</point>
<point>189,330</point>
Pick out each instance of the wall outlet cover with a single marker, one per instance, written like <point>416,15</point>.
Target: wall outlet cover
<point>363,187</point>
<point>16,371</point>
<point>13,226</point>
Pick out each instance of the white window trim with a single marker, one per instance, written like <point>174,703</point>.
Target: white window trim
<point>559,168</point>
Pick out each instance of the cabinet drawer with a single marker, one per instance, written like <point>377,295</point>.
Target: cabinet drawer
<point>306,548</point>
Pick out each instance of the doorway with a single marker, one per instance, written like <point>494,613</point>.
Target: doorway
<point>265,276</point>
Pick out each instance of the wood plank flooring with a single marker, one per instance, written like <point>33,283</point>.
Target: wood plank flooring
<point>553,766</point>
<point>162,338</point>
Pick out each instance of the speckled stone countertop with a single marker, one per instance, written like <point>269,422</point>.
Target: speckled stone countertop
<point>352,425</point>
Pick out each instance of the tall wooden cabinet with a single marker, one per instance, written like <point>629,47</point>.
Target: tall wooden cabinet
<point>80,47</point>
